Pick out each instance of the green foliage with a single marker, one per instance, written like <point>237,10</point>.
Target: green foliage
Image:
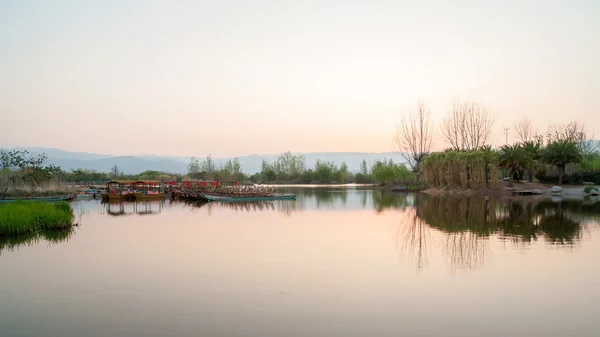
<point>364,169</point>
<point>533,149</point>
<point>385,172</point>
<point>360,178</point>
<point>23,168</point>
<point>591,162</point>
<point>78,175</point>
<point>29,216</point>
<point>194,168</point>
<point>307,176</point>
<point>589,189</point>
<point>286,168</point>
<point>514,158</point>
<point>207,170</point>
<point>343,175</point>
<point>325,172</point>
<point>576,178</point>
<point>231,171</point>
<point>364,176</point>
<point>561,153</point>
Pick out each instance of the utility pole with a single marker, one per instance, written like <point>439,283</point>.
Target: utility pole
<point>505,143</point>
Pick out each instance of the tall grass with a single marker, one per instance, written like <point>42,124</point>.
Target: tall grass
<point>29,216</point>
<point>460,169</point>
<point>46,190</point>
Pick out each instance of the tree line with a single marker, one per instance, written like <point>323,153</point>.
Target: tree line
<point>291,168</point>
<point>21,168</point>
<point>469,161</point>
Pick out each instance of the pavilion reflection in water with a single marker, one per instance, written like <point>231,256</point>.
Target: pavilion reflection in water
<point>125,208</point>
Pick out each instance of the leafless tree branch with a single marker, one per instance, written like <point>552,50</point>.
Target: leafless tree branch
<point>414,137</point>
<point>467,126</point>
<point>574,131</point>
<point>525,131</point>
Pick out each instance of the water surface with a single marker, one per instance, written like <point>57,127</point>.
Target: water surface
<point>335,262</point>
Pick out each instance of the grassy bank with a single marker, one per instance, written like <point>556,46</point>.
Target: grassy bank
<point>24,191</point>
<point>31,217</point>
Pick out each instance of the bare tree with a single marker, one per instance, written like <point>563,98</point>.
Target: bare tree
<point>525,131</point>
<point>467,126</point>
<point>414,136</point>
<point>573,132</point>
<point>115,171</point>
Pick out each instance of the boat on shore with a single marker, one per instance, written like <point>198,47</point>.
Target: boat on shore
<point>222,198</point>
<point>41,199</point>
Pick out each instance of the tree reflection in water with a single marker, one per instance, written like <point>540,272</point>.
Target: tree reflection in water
<point>465,250</point>
<point>468,221</point>
<point>383,200</point>
<point>414,237</point>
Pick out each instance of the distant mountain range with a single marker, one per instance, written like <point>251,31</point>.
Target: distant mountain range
<point>139,163</point>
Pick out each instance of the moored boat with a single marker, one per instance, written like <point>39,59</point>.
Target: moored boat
<point>210,197</point>
<point>42,199</point>
<point>88,194</point>
<point>118,190</point>
<point>147,189</point>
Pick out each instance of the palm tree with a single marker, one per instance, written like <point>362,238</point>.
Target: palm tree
<point>513,158</point>
<point>533,150</point>
<point>561,153</point>
<point>488,156</point>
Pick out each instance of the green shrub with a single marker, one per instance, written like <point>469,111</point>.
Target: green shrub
<point>576,178</point>
<point>589,189</point>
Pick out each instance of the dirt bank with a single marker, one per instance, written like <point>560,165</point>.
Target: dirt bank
<point>504,190</point>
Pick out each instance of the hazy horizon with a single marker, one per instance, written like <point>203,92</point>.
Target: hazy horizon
<point>141,154</point>
<point>234,78</point>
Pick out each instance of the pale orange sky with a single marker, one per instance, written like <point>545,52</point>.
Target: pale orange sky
<point>233,78</point>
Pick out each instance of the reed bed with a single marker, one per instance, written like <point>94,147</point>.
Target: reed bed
<point>462,170</point>
<point>22,191</point>
<point>22,217</point>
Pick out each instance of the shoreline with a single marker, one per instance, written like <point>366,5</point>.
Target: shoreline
<point>503,190</point>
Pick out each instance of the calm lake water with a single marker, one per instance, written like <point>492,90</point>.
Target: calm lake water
<point>335,262</point>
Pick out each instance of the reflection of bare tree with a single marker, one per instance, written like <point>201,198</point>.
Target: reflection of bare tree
<point>465,250</point>
<point>466,223</point>
<point>415,234</point>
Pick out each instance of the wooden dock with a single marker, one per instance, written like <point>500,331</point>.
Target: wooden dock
<point>528,192</point>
